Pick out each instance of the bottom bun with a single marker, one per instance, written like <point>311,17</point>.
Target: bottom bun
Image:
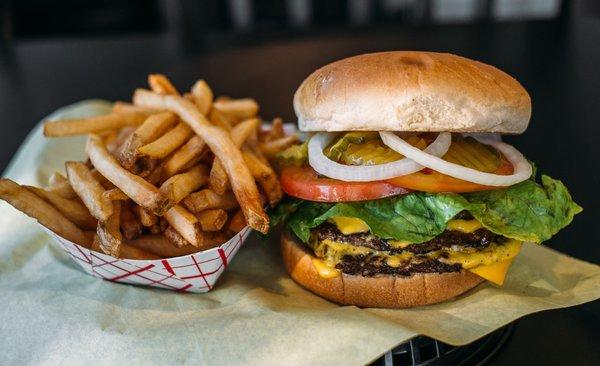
<point>383,291</point>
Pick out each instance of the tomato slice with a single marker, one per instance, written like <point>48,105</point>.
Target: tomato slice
<point>428,180</point>
<point>303,182</point>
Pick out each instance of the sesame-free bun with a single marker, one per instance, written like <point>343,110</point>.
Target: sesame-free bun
<point>411,91</point>
<point>385,291</point>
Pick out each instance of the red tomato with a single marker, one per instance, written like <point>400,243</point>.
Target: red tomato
<point>303,182</point>
<point>428,180</point>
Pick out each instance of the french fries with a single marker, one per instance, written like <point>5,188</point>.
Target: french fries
<point>142,191</point>
<point>135,187</point>
<point>220,143</point>
<point>47,215</point>
<point>190,152</point>
<point>273,147</point>
<point>238,109</point>
<point>186,224</point>
<point>167,143</point>
<point>218,180</point>
<point>82,126</point>
<point>181,185</point>
<point>71,209</point>
<point>89,190</point>
<point>212,220</point>
<point>207,199</point>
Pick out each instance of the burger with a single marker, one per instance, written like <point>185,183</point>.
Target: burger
<point>403,192</point>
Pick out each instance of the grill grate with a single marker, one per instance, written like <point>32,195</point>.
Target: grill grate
<point>423,350</point>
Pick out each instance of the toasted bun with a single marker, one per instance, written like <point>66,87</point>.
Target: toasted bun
<point>411,91</point>
<point>382,291</point>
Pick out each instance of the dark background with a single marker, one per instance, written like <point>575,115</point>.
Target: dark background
<point>53,53</point>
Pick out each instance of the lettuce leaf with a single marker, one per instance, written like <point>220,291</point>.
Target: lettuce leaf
<point>526,211</point>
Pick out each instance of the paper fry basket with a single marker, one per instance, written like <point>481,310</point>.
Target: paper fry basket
<point>196,272</point>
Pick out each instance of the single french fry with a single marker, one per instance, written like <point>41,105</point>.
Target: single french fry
<point>215,238</point>
<point>89,190</point>
<point>176,239</point>
<point>131,227</point>
<point>82,126</point>
<point>179,186</point>
<point>186,224</point>
<point>218,180</point>
<point>154,127</point>
<point>272,148</point>
<point>212,220</point>
<point>59,184</point>
<point>265,176</point>
<point>115,194</point>
<point>119,107</point>
<point>160,245</point>
<point>72,210</point>
<point>47,215</point>
<point>118,143</point>
<point>136,188</point>
<point>161,84</point>
<point>146,217</point>
<point>239,109</point>
<point>207,199</point>
<point>237,222</point>
<point>219,119</point>
<point>109,232</point>
<point>276,130</point>
<point>202,96</point>
<point>221,145</point>
<point>191,150</point>
<point>168,142</point>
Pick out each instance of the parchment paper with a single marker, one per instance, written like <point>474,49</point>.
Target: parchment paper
<point>53,313</point>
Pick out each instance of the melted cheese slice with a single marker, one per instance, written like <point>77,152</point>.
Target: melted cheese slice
<point>465,226</point>
<point>350,225</point>
<point>495,273</point>
<point>325,269</point>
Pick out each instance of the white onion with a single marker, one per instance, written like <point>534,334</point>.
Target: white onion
<point>367,173</point>
<point>522,168</point>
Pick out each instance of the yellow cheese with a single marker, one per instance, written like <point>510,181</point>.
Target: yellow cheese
<point>350,225</point>
<point>325,269</point>
<point>495,273</point>
<point>491,254</point>
<point>465,226</point>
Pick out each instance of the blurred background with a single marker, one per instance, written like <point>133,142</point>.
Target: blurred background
<point>53,53</point>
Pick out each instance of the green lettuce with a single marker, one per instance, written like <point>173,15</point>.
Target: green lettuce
<point>527,211</point>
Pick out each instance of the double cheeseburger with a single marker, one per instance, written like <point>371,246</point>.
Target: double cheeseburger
<point>404,193</point>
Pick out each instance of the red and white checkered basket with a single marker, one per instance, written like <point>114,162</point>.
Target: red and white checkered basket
<point>196,272</point>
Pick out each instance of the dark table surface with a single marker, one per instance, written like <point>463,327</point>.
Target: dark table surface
<point>558,62</point>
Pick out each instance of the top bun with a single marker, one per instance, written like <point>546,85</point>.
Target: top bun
<point>411,91</point>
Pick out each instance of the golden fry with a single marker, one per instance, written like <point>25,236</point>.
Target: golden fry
<point>221,145</point>
<point>119,107</point>
<point>202,96</point>
<point>272,148</point>
<point>47,215</point>
<point>179,186</point>
<point>72,210</point>
<point>154,127</point>
<point>160,245</point>
<point>237,223</point>
<point>207,199</point>
<point>115,145</point>
<point>276,130</point>
<point>186,224</point>
<point>219,119</point>
<point>161,84</point>
<point>176,239</point>
<point>109,232</point>
<point>212,220</point>
<point>191,150</point>
<point>136,188</point>
<point>218,180</point>
<point>82,126</point>
<point>146,217</point>
<point>168,142</point>
<point>265,176</point>
<point>131,227</point>
<point>60,185</point>
<point>89,190</point>
<point>239,109</point>
<point>115,194</point>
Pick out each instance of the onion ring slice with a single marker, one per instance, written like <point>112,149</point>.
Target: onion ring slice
<point>367,173</point>
<point>522,168</point>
